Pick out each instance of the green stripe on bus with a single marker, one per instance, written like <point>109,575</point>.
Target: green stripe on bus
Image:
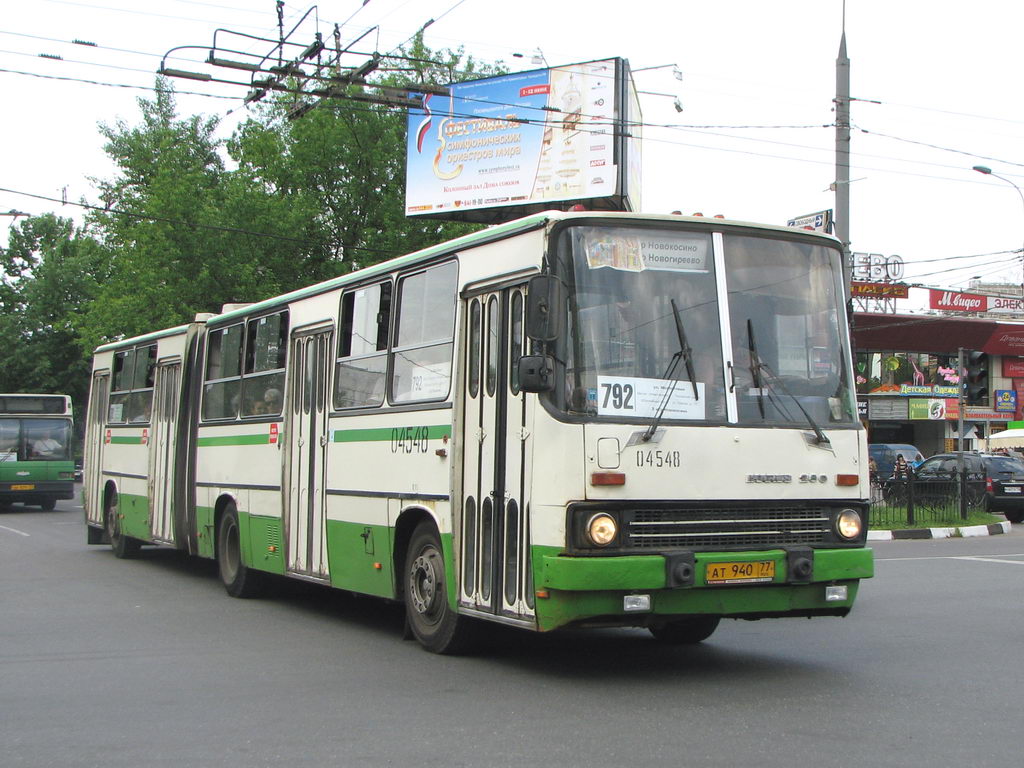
<point>137,440</point>
<point>261,439</point>
<point>383,434</point>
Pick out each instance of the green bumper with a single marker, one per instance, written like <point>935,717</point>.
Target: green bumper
<point>581,589</point>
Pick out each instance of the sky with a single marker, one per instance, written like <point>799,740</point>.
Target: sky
<point>936,86</point>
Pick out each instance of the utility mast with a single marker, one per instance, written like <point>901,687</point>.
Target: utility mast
<point>842,183</point>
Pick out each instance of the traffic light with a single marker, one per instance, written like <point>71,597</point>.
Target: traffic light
<point>976,386</point>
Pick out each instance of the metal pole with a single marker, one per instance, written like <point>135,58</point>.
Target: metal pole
<point>842,183</point>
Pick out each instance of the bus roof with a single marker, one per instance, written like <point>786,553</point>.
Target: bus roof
<point>498,232</point>
<point>178,329</point>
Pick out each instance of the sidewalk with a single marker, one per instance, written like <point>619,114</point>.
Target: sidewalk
<point>941,533</point>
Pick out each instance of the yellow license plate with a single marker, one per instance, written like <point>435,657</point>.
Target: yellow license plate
<point>23,487</point>
<point>750,572</point>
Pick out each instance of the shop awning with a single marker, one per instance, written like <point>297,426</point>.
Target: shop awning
<point>936,335</point>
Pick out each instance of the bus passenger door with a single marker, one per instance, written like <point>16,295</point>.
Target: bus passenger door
<point>92,464</point>
<point>307,439</point>
<point>162,443</point>
<point>495,562</point>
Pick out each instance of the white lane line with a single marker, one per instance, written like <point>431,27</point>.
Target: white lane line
<point>14,530</point>
<point>990,559</point>
<point>949,557</point>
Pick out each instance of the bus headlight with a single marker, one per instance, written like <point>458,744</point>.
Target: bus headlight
<point>849,524</point>
<point>601,529</point>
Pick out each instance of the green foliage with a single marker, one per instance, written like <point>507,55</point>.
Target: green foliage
<point>51,276</point>
<point>304,200</point>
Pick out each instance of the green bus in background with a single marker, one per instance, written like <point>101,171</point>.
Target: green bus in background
<point>35,450</point>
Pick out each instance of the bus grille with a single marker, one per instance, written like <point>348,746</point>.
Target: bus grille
<point>731,528</point>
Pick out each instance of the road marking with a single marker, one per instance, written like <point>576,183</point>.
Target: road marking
<point>992,558</point>
<point>986,559</point>
<point>14,530</point>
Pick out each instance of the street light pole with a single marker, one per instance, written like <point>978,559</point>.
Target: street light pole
<point>988,172</point>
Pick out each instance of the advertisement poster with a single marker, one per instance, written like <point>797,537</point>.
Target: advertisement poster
<point>527,137</point>
<point>1006,401</point>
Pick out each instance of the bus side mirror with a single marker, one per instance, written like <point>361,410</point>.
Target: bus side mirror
<point>545,308</point>
<point>536,373</point>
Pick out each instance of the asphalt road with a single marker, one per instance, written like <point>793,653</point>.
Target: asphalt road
<point>148,663</point>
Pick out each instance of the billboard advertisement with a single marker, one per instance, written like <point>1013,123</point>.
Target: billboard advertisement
<point>505,146</point>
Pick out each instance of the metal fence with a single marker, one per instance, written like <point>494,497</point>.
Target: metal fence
<point>910,500</point>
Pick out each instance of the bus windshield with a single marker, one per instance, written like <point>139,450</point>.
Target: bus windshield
<point>34,439</point>
<point>660,326</point>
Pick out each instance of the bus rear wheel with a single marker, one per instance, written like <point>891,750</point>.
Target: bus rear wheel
<point>686,631</point>
<point>48,505</point>
<point>433,622</point>
<point>239,580</point>
<point>123,546</point>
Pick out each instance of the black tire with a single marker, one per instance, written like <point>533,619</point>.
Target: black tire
<point>239,580</point>
<point>435,625</point>
<point>48,505</point>
<point>1014,515</point>
<point>686,631</point>
<point>124,547</point>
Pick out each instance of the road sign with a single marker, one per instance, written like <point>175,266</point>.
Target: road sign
<point>819,222</point>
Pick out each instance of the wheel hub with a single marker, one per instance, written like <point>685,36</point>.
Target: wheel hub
<point>423,583</point>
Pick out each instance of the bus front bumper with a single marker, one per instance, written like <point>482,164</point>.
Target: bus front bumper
<point>584,591</point>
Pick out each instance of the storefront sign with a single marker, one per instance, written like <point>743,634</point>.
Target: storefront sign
<point>880,290</point>
<point>1006,401</point>
<point>1012,367</point>
<point>953,301</point>
<point>935,390</point>
<point>933,409</point>
<point>876,268</point>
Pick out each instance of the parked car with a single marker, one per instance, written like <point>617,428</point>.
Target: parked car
<point>885,455</point>
<point>996,481</point>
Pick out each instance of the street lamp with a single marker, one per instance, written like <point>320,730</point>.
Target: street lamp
<point>988,172</point>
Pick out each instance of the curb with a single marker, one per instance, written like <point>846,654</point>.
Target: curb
<point>941,533</point>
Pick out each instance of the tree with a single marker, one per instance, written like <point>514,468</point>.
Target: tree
<point>51,276</point>
<point>181,234</point>
<point>163,224</point>
<point>340,167</point>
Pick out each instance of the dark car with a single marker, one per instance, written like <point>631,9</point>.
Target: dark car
<point>995,481</point>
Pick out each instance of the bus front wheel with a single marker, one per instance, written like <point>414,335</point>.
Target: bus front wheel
<point>239,580</point>
<point>686,631</point>
<point>433,622</point>
<point>48,505</point>
<point>123,546</point>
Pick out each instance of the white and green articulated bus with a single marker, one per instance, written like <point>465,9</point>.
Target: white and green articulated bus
<point>573,419</point>
<point>36,434</point>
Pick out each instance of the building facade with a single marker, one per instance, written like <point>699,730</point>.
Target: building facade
<point>908,377</point>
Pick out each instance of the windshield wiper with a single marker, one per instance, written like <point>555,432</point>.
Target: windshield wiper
<point>686,355</point>
<point>757,367</point>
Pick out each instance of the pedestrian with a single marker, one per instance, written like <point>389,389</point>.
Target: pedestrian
<point>900,469</point>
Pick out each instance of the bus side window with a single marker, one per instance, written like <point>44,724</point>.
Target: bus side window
<point>266,350</point>
<point>140,403</point>
<point>222,387</point>
<point>421,367</point>
<point>121,386</point>
<point>362,347</point>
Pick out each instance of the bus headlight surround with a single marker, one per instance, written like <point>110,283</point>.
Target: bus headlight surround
<point>601,529</point>
<point>849,524</point>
